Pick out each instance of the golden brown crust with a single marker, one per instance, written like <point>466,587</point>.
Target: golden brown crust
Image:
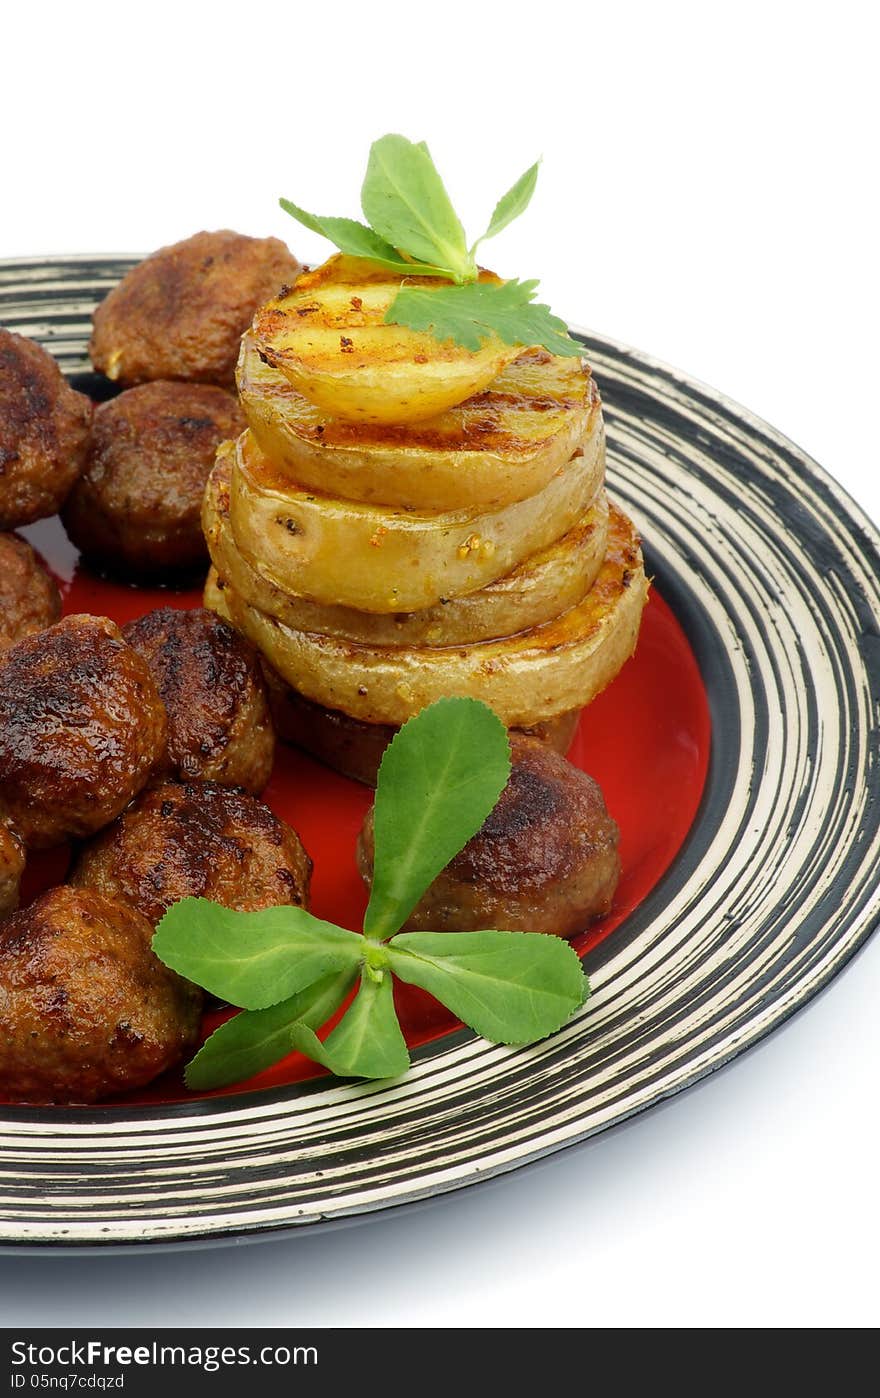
<point>544,861</point>
<point>137,507</point>
<point>44,432</point>
<point>180,313</point>
<point>81,727</point>
<point>86,1009</point>
<point>212,686</point>
<point>29,597</point>
<point>11,869</point>
<point>355,748</point>
<point>196,840</point>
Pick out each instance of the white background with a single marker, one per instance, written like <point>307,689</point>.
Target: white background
<point>708,194</point>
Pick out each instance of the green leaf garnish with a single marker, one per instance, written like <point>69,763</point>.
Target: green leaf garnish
<point>511,204</point>
<point>367,1042</point>
<point>439,778</point>
<point>405,201</point>
<point>509,986</point>
<point>471,314</point>
<point>252,959</point>
<point>357,240</point>
<point>255,1039</point>
<point>415,230</point>
<point>438,781</point>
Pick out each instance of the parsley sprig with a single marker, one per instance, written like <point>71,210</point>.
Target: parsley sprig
<point>290,972</point>
<point>412,228</point>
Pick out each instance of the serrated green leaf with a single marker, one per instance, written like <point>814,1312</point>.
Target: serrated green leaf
<point>357,240</point>
<point>405,201</point>
<point>440,776</point>
<point>367,1041</point>
<point>511,987</point>
<point>511,204</point>
<point>252,959</point>
<point>255,1039</point>
<point>469,315</point>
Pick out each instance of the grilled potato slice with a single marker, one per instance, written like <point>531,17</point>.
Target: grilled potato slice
<point>355,748</point>
<point>328,336</point>
<point>526,679</point>
<point>379,560</point>
<point>349,745</point>
<point>541,587</point>
<point>501,444</point>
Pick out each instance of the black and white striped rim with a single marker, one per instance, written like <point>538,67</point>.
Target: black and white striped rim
<point>776,576</point>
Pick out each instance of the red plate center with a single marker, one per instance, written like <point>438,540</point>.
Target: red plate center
<point>645,740</point>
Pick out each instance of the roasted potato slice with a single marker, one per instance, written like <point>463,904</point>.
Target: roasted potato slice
<point>346,744</point>
<point>379,560</point>
<point>499,445</point>
<point>545,584</point>
<point>328,335</point>
<point>526,678</point>
<point>355,748</point>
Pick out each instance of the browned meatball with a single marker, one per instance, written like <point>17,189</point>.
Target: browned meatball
<point>181,313</point>
<point>137,507</point>
<point>29,597</point>
<point>11,870</point>
<point>44,432</point>
<point>86,1009</point>
<point>545,860</point>
<point>214,693</point>
<point>196,840</point>
<point>81,727</point>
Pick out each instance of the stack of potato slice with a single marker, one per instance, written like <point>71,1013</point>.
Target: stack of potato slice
<point>403,548</point>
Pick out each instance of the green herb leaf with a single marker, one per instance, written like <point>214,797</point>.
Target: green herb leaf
<point>252,959</point>
<point>468,315</point>
<point>511,204</point>
<point>350,237</point>
<point>511,987</point>
<point>439,778</point>
<point>255,1039</point>
<point>404,200</point>
<point>357,240</point>
<point>367,1041</point>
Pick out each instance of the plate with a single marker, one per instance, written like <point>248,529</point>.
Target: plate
<point>774,576</point>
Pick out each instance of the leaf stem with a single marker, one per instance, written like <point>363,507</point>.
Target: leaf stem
<point>376,953</point>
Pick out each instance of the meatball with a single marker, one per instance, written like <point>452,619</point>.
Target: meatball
<point>11,870</point>
<point>212,686</point>
<point>137,506</point>
<point>44,432</point>
<point>545,860</point>
<point>181,313</point>
<point>196,840</point>
<point>81,727</point>
<point>355,748</point>
<point>86,1009</point>
<point>29,597</point>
